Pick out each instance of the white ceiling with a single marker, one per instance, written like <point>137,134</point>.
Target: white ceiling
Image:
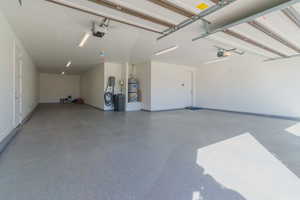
<point>51,33</point>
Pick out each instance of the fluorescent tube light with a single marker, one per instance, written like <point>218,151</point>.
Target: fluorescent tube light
<point>166,50</point>
<point>69,64</point>
<point>84,39</point>
<point>216,60</point>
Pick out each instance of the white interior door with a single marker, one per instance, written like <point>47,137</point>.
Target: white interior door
<point>188,87</point>
<point>17,85</point>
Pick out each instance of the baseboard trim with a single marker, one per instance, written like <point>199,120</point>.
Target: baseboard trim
<point>218,110</point>
<point>97,108</point>
<point>10,137</point>
<point>254,114</point>
<point>163,110</point>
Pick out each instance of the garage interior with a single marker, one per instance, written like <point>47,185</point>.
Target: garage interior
<point>149,99</point>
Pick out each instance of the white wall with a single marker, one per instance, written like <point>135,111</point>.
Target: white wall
<point>56,86</point>
<point>169,86</point>
<point>92,86</point>
<point>161,85</point>
<point>29,76</point>
<point>246,84</point>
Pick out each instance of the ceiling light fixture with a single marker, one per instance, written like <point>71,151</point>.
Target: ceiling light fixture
<point>84,39</point>
<point>216,60</point>
<point>68,64</point>
<point>166,50</point>
<point>63,73</point>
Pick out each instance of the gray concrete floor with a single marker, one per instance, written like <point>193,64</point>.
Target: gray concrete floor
<point>75,152</point>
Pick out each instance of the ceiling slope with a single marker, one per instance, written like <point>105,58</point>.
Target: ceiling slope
<point>53,36</point>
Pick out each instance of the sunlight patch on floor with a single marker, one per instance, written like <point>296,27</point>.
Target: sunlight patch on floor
<point>197,195</point>
<point>295,129</point>
<point>245,166</point>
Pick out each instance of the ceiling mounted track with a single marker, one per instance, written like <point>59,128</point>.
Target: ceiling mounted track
<point>273,35</point>
<point>20,2</point>
<point>173,7</point>
<point>221,4</point>
<point>87,11</point>
<point>248,19</point>
<point>132,12</point>
<point>251,21</point>
<point>288,57</point>
<point>293,15</point>
<point>254,43</point>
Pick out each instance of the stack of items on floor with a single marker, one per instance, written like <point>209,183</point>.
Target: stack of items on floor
<point>70,100</point>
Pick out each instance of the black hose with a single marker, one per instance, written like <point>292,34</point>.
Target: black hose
<point>108,96</point>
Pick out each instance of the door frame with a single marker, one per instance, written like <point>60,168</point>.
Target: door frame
<point>192,75</point>
<point>17,65</point>
<point>192,88</point>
